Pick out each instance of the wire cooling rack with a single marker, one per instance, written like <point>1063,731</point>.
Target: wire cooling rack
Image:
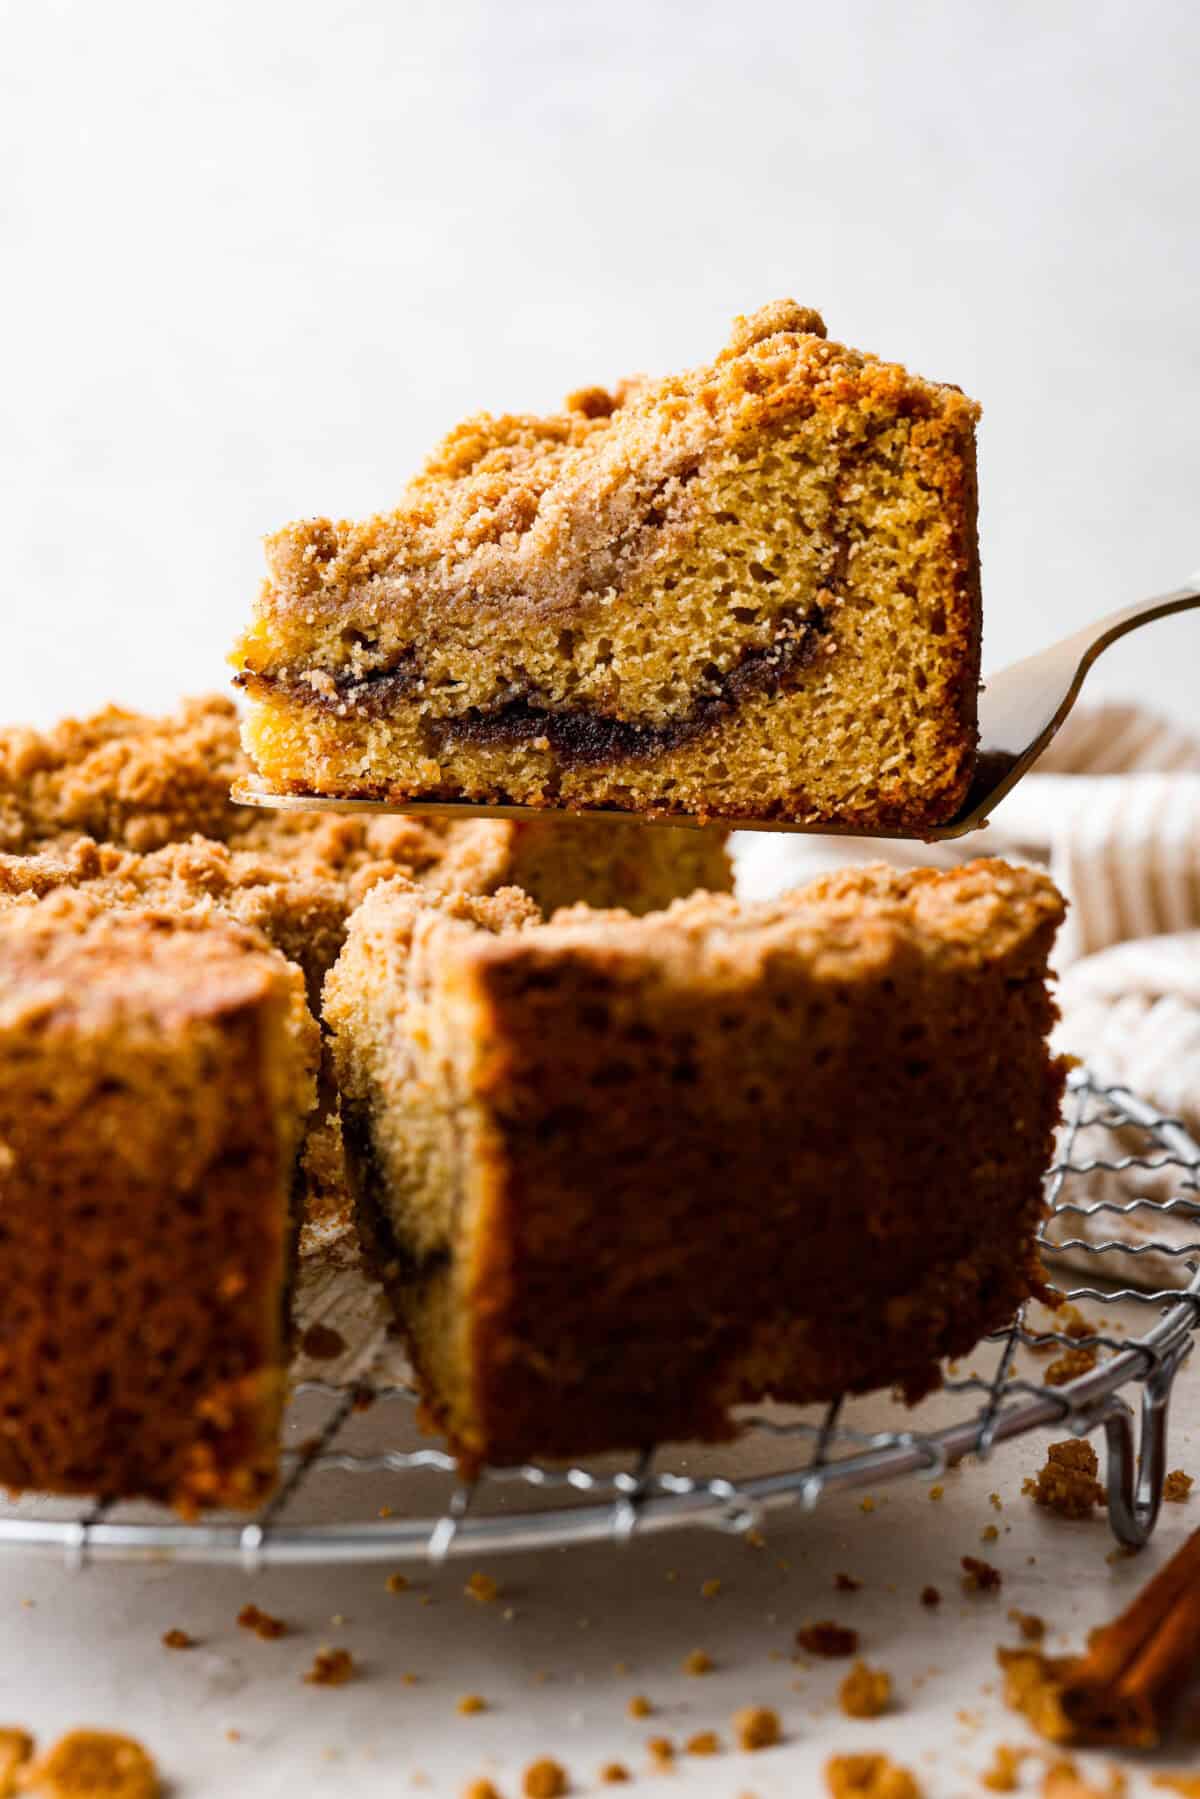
<point>359,1484</point>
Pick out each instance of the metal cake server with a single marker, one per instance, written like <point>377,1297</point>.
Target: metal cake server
<point>1020,710</point>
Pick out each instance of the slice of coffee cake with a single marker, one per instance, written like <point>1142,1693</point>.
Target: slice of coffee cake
<point>751,590</point>
<point>155,1072</point>
<point>624,1174</point>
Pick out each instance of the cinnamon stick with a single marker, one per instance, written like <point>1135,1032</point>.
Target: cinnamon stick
<point>1122,1689</point>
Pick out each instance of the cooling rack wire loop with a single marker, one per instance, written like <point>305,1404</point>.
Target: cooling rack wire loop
<point>1124,1196</point>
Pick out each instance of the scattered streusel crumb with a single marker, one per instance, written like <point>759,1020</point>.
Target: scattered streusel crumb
<point>1031,1627</point>
<point>175,1639</point>
<point>989,1533</point>
<point>756,1727</point>
<point>261,1623</point>
<point>639,1706</point>
<point>827,1638</point>
<point>660,1750</point>
<point>846,1583</point>
<point>544,1779</point>
<point>710,1589</point>
<point>1063,1780</point>
<point>1177,1486</point>
<point>614,1773</point>
<point>1004,1775</point>
<point>699,1661</point>
<point>937,1492</point>
<point>331,1668</point>
<point>233,1735</point>
<point>1067,1483</point>
<point>396,1583</point>
<point>409,1679</point>
<point>482,1588</point>
<point>87,1763</point>
<point>754,1538</point>
<point>867,1504</point>
<point>480,1789</point>
<point>869,1777</point>
<point>865,1692</point>
<point>470,1703</point>
<point>930,1597</point>
<point>995,1502</point>
<point>705,1742</point>
<point>1069,1366</point>
<point>979,1576</point>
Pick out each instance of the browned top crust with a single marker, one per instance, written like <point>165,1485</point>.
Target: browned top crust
<point>526,510</point>
<point>69,961</point>
<point>122,777</point>
<point>854,919</point>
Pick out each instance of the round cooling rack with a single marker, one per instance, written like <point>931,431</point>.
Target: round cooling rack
<point>361,1485</point>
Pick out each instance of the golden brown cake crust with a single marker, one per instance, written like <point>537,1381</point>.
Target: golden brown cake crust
<point>636,1172</point>
<point>657,600</point>
<point>155,1070</point>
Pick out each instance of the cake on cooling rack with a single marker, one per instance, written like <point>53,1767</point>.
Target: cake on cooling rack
<point>135,810</point>
<point>155,1071</point>
<point>624,1174</point>
<point>751,590</point>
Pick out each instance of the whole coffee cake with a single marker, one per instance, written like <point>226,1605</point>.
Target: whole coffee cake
<point>751,590</point>
<point>155,1072</point>
<point>622,1175</point>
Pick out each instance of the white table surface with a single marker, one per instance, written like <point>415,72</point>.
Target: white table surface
<point>573,1635</point>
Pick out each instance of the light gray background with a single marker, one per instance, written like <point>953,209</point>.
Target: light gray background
<point>257,257</point>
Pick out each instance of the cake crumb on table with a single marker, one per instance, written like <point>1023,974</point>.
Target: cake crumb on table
<point>1031,1627</point>
<point>846,1583</point>
<point>470,1704</point>
<point>480,1789</point>
<point>544,1779</point>
<point>1066,1484</point>
<point>930,1597</point>
<point>261,1623</point>
<point>639,1706</point>
<point>979,1576</point>
<point>1064,1780</point>
<point>869,1777</point>
<point>865,1692</point>
<point>331,1668</point>
<point>1004,1775</point>
<point>828,1639</point>
<point>614,1774</point>
<point>937,1492</point>
<point>396,1583</point>
<point>756,1727</point>
<point>710,1589</point>
<point>989,1534</point>
<point>705,1742</point>
<point>177,1639</point>
<point>86,1764</point>
<point>661,1750</point>
<point>483,1588</point>
<point>1177,1486</point>
<point>698,1661</point>
<point>1069,1366</point>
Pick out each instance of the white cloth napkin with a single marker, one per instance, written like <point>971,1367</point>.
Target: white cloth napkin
<point>1113,812</point>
